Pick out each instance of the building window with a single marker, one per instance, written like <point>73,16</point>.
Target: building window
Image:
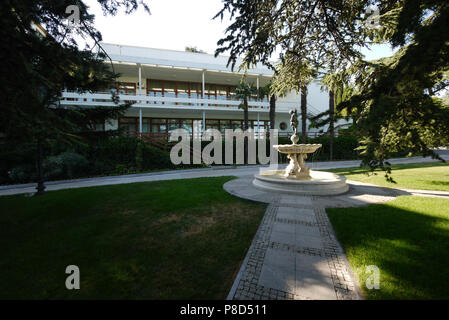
<point>126,88</point>
<point>237,124</point>
<point>97,126</point>
<point>283,126</point>
<point>170,89</point>
<point>186,124</point>
<point>129,125</point>
<point>145,125</point>
<point>213,124</point>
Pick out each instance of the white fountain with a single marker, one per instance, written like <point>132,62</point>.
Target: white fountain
<point>297,178</point>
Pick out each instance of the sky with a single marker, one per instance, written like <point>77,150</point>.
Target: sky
<point>175,24</point>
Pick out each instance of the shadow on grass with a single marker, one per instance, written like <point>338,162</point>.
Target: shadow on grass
<point>407,239</point>
<point>439,183</point>
<point>395,167</point>
<point>177,239</point>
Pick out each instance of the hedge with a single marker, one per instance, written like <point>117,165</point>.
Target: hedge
<point>124,155</point>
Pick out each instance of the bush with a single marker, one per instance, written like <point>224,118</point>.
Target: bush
<point>125,155</point>
<point>154,158</point>
<point>122,155</point>
<point>22,174</point>
<point>67,165</point>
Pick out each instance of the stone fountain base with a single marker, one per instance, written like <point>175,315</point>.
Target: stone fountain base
<point>320,183</point>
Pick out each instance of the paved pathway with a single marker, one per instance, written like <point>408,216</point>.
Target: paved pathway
<point>183,174</point>
<point>295,253</point>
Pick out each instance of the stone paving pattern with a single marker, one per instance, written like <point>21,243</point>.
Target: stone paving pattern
<point>295,254</point>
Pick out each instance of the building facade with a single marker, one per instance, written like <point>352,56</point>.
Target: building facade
<point>194,91</point>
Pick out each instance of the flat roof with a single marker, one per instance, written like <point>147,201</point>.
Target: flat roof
<point>175,58</point>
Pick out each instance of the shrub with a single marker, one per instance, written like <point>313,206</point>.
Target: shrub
<point>22,174</point>
<point>122,155</point>
<point>66,165</point>
<point>154,158</point>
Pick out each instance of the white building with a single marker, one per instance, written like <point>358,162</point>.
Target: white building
<point>176,89</point>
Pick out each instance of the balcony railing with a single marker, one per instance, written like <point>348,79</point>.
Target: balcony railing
<point>150,101</point>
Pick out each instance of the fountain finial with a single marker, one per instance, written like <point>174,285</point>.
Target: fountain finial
<point>294,124</point>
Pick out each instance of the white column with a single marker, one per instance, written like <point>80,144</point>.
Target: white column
<point>257,84</point>
<point>204,85</point>
<point>204,121</point>
<point>140,121</point>
<point>258,124</point>
<point>140,80</point>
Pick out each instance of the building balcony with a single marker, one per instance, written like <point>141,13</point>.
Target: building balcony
<point>158,102</point>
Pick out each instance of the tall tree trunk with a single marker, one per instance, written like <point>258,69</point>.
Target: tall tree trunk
<point>331,124</point>
<point>40,170</point>
<point>245,128</point>
<point>304,113</point>
<point>272,111</point>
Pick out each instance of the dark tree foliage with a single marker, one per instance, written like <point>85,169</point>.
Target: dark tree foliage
<point>194,50</point>
<point>395,97</point>
<point>393,100</point>
<point>322,33</point>
<point>40,58</point>
<point>243,92</point>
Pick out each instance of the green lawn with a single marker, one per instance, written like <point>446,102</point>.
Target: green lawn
<point>426,176</point>
<point>408,239</point>
<point>180,239</point>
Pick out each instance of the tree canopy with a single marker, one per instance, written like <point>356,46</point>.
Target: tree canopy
<point>41,57</point>
<point>194,50</point>
<point>394,100</point>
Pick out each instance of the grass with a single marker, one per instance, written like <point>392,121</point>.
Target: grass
<point>425,176</point>
<point>408,239</point>
<point>180,239</point>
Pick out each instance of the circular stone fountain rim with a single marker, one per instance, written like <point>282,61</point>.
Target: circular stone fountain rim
<point>297,148</point>
<point>336,178</point>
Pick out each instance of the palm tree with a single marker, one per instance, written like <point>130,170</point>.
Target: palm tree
<point>304,113</point>
<point>339,91</point>
<point>331,123</point>
<point>243,92</point>
<point>295,77</point>
<point>266,92</point>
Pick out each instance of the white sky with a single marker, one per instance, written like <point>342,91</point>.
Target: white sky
<point>175,24</point>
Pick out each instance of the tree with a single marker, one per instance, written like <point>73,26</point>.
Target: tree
<point>287,79</point>
<point>243,92</point>
<point>320,33</point>
<point>194,50</point>
<point>338,91</point>
<point>41,58</point>
<point>265,92</point>
<point>304,113</point>
<point>331,123</point>
<point>394,98</point>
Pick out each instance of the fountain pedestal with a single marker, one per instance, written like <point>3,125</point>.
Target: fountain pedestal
<point>297,178</point>
<point>297,153</point>
<point>297,168</point>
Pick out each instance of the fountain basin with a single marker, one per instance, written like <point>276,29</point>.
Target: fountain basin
<point>320,183</point>
<point>297,148</point>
